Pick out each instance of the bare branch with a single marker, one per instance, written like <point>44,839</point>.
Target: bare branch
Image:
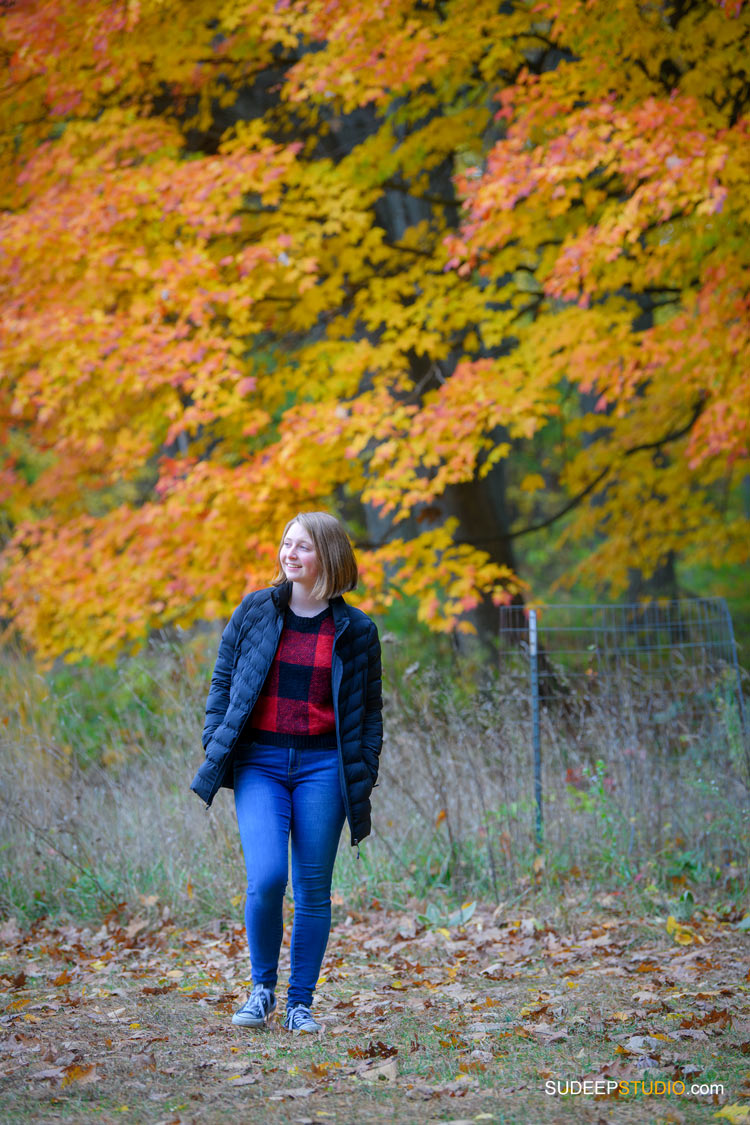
<point>675,435</point>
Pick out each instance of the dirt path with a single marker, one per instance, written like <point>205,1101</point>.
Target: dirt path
<point>131,1023</point>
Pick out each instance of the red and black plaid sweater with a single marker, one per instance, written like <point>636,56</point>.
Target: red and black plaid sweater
<point>295,706</point>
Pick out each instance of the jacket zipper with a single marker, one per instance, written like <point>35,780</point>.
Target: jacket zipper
<point>335,667</point>
<point>222,775</point>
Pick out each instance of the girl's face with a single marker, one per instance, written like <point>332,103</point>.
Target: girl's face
<point>298,557</point>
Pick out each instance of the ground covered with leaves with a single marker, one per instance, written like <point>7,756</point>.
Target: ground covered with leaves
<point>488,1021</point>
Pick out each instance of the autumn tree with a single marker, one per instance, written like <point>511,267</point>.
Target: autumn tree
<point>283,255</point>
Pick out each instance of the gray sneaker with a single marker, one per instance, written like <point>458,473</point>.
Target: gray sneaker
<point>299,1018</point>
<point>257,1009</point>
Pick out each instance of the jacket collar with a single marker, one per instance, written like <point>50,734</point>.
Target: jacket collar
<point>280,596</point>
<point>340,613</point>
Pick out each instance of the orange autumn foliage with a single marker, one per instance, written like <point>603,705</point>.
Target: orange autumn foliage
<point>207,327</point>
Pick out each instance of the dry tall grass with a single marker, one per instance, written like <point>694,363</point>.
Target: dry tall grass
<point>97,810</point>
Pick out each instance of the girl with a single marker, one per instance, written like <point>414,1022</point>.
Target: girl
<point>293,724</point>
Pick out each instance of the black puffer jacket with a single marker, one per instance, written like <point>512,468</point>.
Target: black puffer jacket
<point>248,646</point>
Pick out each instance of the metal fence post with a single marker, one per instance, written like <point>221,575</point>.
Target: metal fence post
<point>536,739</point>
<point>738,678</point>
<point>736,665</point>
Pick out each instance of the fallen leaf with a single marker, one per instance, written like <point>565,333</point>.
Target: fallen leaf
<point>20,1002</point>
<point>735,1113</point>
<point>378,1050</point>
<point>82,1075</point>
<point>683,935</point>
<point>645,996</point>
<point>386,1071</point>
<point>459,1121</point>
<point>9,932</point>
<point>719,1016</point>
<point>295,1092</point>
<point>545,1033</point>
<point>641,1044</point>
<point>408,928</point>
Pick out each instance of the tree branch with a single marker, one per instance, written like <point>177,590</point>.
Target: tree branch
<point>564,510</point>
<point>423,197</point>
<point>408,249</point>
<point>675,435</point>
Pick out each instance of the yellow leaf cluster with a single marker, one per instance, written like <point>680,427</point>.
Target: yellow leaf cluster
<point>260,257</point>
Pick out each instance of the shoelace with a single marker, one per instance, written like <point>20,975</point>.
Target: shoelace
<point>299,1015</point>
<point>259,1001</point>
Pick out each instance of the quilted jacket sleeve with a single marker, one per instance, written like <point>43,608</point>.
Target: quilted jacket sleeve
<point>218,694</point>
<point>372,733</point>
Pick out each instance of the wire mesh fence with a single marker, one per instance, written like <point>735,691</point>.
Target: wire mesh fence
<point>637,720</point>
<point>662,678</point>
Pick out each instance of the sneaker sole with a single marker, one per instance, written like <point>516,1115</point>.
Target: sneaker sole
<point>304,1030</point>
<point>249,1021</point>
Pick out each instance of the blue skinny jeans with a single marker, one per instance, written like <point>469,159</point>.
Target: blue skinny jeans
<point>280,793</point>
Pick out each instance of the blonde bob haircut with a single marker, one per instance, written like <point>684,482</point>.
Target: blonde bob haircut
<point>338,566</point>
